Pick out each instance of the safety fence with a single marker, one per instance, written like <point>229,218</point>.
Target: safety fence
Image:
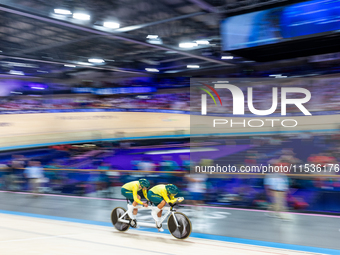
<point>307,192</point>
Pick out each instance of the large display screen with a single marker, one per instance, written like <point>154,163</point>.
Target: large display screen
<point>280,24</point>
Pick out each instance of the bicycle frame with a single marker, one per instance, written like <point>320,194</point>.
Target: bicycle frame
<point>168,211</point>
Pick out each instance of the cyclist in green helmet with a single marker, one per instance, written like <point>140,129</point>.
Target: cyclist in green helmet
<point>160,195</point>
<point>130,189</point>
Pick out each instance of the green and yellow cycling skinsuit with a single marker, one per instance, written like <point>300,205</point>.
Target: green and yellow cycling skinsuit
<point>158,193</point>
<point>130,189</point>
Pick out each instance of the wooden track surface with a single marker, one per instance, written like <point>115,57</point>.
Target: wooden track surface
<point>25,235</point>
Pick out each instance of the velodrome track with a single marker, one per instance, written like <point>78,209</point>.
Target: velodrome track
<point>46,129</point>
<point>26,235</point>
<point>52,224</point>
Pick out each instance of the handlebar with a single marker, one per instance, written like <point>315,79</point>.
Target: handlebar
<point>175,205</point>
<point>150,203</point>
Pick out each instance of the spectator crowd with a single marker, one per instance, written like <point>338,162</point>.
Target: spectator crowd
<point>324,97</point>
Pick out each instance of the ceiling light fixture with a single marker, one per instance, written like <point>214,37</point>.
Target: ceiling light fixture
<point>16,72</point>
<point>227,57</point>
<point>193,66</point>
<point>62,11</point>
<point>171,52</point>
<point>96,60</point>
<point>112,25</point>
<point>70,65</point>
<point>81,16</point>
<point>153,70</point>
<point>152,36</point>
<point>155,41</point>
<point>205,42</point>
<point>84,64</point>
<point>187,45</point>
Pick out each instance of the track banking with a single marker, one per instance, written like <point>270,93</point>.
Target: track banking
<point>243,169</point>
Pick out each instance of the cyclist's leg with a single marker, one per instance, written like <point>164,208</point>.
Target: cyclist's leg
<point>160,207</point>
<point>155,198</point>
<point>159,202</point>
<point>158,215</point>
<point>135,210</point>
<point>129,195</point>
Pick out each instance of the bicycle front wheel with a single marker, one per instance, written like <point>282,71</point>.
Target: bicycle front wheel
<point>115,215</point>
<point>184,225</point>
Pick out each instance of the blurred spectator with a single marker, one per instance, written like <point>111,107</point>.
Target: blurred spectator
<point>167,164</point>
<point>125,145</point>
<point>15,176</point>
<point>53,165</point>
<point>103,182</point>
<point>5,172</point>
<point>134,163</point>
<point>185,162</point>
<point>34,174</point>
<point>146,165</point>
<point>17,163</point>
<point>206,162</point>
<point>276,185</point>
<point>104,166</point>
<point>287,157</point>
<point>197,187</point>
<point>251,157</point>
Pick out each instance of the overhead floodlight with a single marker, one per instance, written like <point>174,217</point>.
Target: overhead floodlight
<point>37,88</point>
<point>155,41</point>
<point>153,70</point>
<point>278,76</point>
<point>187,45</point>
<point>152,36</point>
<point>205,42</point>
<point>96,60</point>
<point>111,24</point>
<point>81,16</point>
<point>227,57</point>
<point>16,72</point>
<point>62,11</point>
<point>193,66</point>
<point>172,71</point>
<point>70,65</point>
<point>84,64</point>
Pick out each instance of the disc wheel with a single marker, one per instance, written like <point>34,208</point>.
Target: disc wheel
<point>183,230</point>
<point>115,215</point>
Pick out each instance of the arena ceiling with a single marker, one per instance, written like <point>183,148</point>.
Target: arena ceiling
<point>34,40</point>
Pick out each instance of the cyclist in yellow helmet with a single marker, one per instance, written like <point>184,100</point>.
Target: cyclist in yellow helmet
<point>160,195</point>
<point>130,189</point>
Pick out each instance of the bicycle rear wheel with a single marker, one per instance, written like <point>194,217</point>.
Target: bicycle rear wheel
<point>115,215</point>
<point>183,230</point>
